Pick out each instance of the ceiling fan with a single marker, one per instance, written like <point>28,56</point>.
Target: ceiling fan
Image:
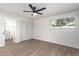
<point>34,11</point>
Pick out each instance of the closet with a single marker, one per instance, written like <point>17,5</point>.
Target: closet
<point>25,30</point>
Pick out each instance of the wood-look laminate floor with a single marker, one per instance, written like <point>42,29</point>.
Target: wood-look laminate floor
<point>37,48</point>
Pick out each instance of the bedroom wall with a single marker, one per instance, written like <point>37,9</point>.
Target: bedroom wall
<point>18,19</point>
<point>67,37</point>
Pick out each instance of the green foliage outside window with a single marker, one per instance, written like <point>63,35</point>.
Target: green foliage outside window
<point>64,22</point>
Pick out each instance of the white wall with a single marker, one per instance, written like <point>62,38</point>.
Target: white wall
<point>18,19</point>
<point>67,37</point>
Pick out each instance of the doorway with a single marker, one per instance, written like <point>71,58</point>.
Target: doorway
<point>10,31</point>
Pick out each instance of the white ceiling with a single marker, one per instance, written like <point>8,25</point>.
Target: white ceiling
<point>51,8</point>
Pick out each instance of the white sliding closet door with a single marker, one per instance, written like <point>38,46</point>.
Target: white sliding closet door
<point>26,31</point>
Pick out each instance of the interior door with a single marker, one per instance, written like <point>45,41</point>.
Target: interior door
<point>2,32</point>
<point>26,31</point>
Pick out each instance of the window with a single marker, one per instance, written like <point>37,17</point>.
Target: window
<point>63,23</point>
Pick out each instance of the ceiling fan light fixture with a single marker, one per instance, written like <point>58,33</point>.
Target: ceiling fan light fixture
<point>34,14</point>
<point>35,11</point>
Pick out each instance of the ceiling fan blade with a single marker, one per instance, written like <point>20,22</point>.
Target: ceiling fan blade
<point>31,7</point>
<point>41,9</point>
<point>40,13</point>
<point>27,11</point>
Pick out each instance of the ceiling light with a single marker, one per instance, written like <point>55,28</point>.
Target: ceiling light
<point>34,14</point>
